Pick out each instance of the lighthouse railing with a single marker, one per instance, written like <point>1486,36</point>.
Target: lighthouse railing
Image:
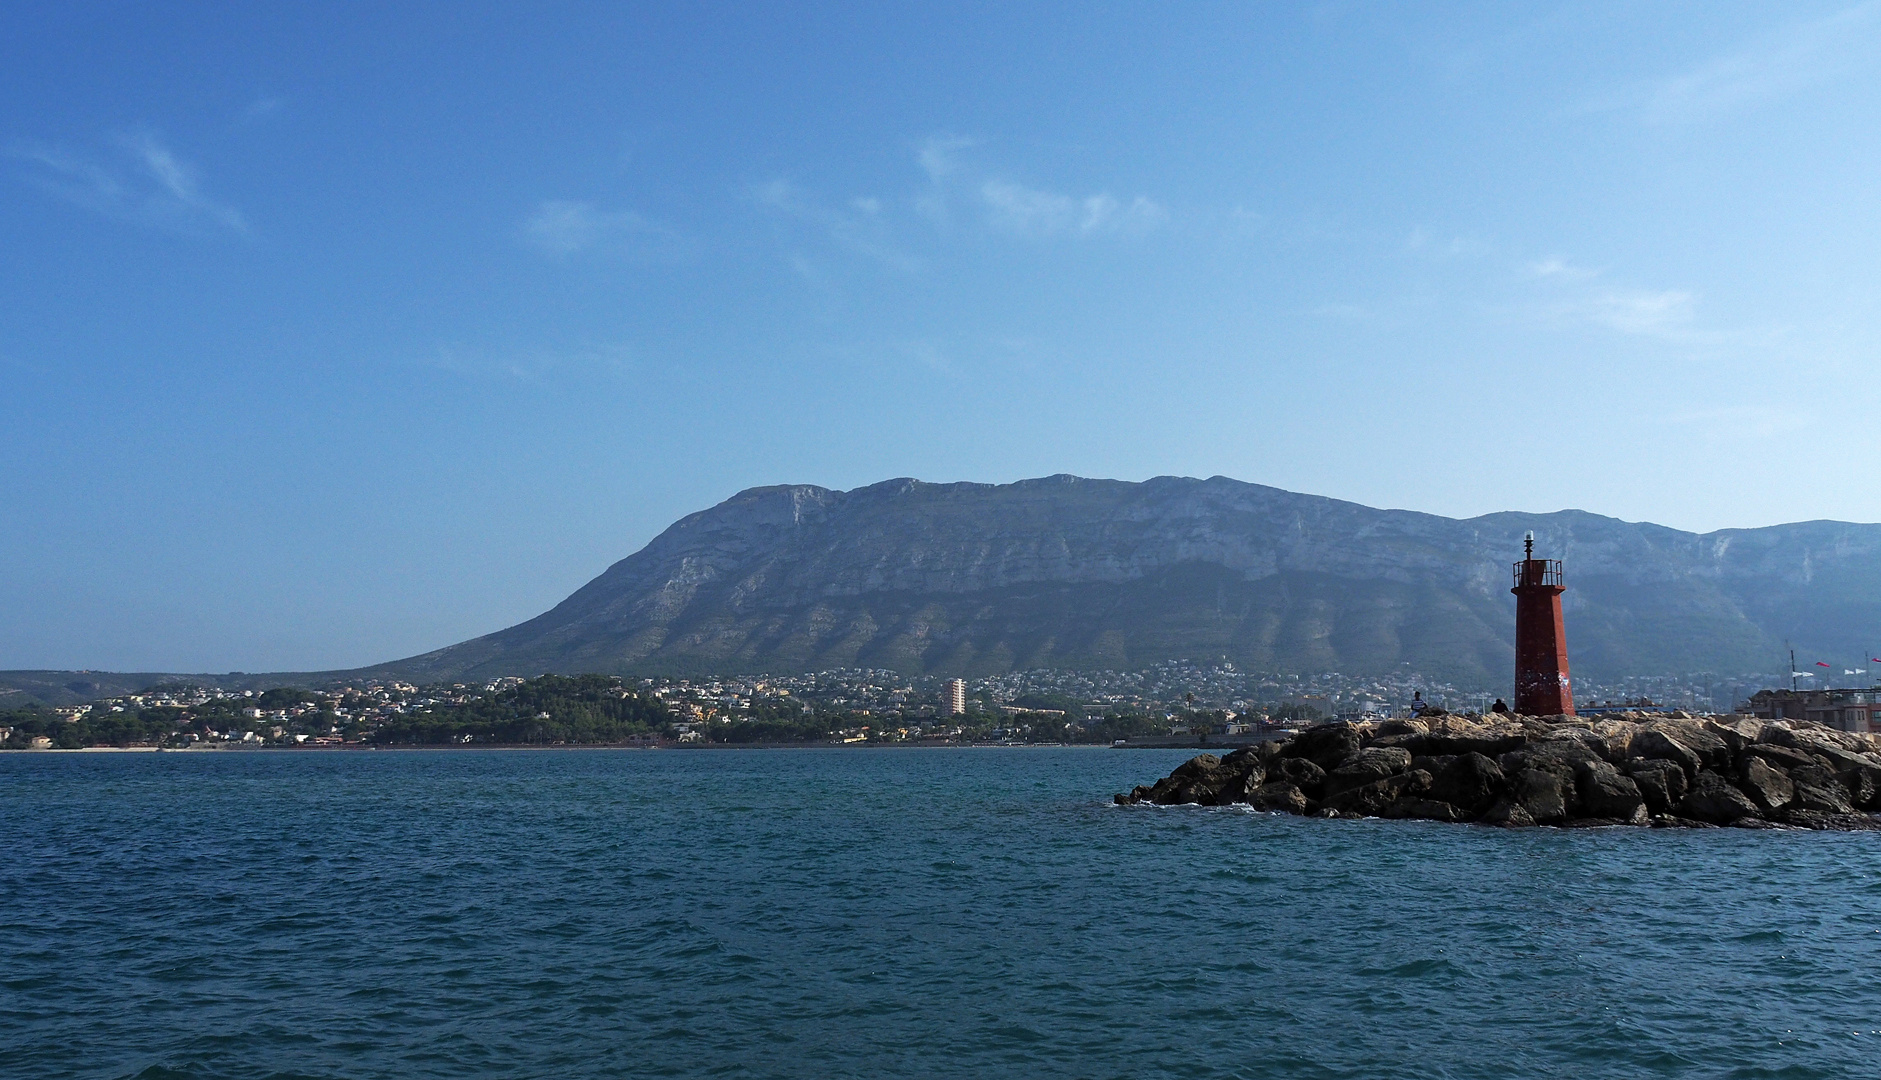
<point>1538,572</point>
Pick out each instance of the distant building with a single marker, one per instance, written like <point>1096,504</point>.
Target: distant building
<point>954,698</point>
<point>1847,710</point>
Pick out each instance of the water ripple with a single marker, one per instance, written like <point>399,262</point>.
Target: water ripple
<point>921,913</point>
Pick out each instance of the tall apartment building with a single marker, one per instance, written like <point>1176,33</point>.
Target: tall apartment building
<point>954,697</point>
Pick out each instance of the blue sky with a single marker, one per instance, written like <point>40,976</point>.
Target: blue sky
<point>330,334</point>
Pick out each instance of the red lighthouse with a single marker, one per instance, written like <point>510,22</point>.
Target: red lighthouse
<point>1541,652</point>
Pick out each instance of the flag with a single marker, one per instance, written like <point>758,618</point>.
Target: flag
<point>1852,671</point>
<point>1821,664</point>
<point>1802,674</point>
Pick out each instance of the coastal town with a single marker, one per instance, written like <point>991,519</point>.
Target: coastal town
<point>853,706</point>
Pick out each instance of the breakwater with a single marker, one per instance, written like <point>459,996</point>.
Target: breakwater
<point>1525,771</point>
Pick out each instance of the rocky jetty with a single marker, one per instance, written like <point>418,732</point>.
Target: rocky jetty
<point>1523,771</point>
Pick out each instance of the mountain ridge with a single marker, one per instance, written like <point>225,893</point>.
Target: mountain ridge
<point>1063,571</point>
<point>968,578</point>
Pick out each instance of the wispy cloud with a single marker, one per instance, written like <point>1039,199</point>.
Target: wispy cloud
<point>1015,208</point>
<point>860,227</point>
<point>1660,313</point>
<point>1038,213</point>
<point>1582,297</point>
<point>1791,58</point>
<point>540,366</point>
<point>1422,242</point>
<point>147,184</point>
<point>1560,269</point>
<point>939,158</point>
<point>566,226</point>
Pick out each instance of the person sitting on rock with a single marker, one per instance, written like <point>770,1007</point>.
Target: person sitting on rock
<point>1500,706</point>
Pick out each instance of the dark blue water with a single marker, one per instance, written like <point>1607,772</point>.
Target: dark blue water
<point>919,913</point>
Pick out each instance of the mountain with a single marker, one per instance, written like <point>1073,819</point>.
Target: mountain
<point>1074,573</point>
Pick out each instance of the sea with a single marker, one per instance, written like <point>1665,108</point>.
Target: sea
<point>934,912</point>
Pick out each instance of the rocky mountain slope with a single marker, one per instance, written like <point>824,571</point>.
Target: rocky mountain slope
<point>1068,572</point>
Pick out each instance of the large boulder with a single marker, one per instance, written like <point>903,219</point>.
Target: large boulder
<point>1370,764</point>
<point>1509,813</point>
<point>1818,789</point>
<point>1608,793</point>
<point>1544,792</point>
<point>1233,781</point>
<point>1470,782</point>
<point>1662,783</point>
<point>1616,737</point>
<point>1736,731</point>
<point>1413,806</point>
<point>1768,786</point>
<point>1825,767</point>
<point>1299,772</point>
<point>1195,780</point>
<point>1237,786</point>
<point>1658,745</point>
<point>1864,785</point>
<point>1327,745</point>
<point>1461,734</point>
<point>1460,740</point>
<point>1714,800</point>
<point>1848,754</point>
<point>1713,752</point>
<point>1814,738</point>
<point>1556,754</point>
<point>1281,795</point>
<point>1825,791</point>
<point>1783,757</point>
<point>1844,760</point>
<point>1388,728</point>
<point>1371,799</point>
<point>1814,774</point>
